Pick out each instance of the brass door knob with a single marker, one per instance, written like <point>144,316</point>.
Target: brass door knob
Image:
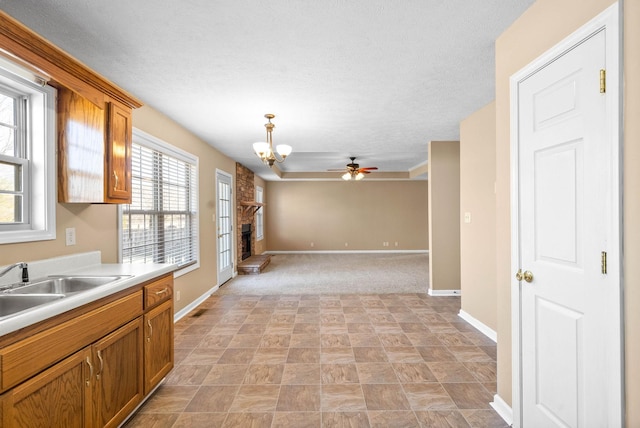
<point>526,275</point>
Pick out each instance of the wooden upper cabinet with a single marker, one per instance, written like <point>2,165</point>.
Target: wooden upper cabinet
<point>94,150</point>
<point>118,152</point>
<point>94,123</point>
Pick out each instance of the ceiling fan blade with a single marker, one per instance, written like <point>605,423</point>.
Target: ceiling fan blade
<point>369,167</point>
<point>362,171</point>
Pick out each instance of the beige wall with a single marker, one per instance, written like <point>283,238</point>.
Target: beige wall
<point>477,197</point>
<point>515,48</point>
<point>96,230</point>
<point>195,283</point>
<point>363,214</point>
<point>632,208</point>
<point>444,215</point>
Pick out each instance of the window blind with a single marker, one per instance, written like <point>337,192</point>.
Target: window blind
<point>160,225</point>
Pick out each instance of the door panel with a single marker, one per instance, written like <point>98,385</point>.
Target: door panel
<point>565,169</point>
<point>224,220</point>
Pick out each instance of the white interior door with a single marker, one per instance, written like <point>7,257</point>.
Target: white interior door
<point>224,222</point>
<point>566,175</point>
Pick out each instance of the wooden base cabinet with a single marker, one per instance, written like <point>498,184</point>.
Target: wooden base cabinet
<point>118,374</point>
<point>158,345</point>
<point>58,397</point>
<point>105,376</point>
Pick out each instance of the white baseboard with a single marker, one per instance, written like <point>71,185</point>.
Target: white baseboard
<point>191,306</point>
<point>351,252</point>
<point>484,329</point>
<point>444,293</point>
<point>503,409</point>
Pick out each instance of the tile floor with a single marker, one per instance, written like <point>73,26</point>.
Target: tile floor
<point>344,360</point>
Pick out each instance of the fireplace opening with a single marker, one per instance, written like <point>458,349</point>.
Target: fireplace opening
<point>246,241</point>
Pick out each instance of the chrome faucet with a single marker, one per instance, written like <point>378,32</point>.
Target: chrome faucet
<point>21,265</point>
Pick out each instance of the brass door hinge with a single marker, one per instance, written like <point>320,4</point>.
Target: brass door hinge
<point>603,263</point>
<point>603,81</point>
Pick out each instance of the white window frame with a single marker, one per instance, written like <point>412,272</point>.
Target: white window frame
<point>37,159</point>
<point>260,214</point>
<point>149,141</point>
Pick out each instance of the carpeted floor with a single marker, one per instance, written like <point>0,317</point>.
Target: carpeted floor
<point>336,273</point>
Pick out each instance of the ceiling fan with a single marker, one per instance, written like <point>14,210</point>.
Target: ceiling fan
<point>353,170</point>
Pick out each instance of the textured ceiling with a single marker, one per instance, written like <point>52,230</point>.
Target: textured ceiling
<point>376,79</point>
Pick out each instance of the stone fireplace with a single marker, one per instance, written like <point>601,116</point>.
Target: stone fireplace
<point>245,192</point>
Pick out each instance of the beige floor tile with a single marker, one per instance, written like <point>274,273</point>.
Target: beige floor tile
<point>340,398</point>
<point>270,356</point>
<point>413,372</point>
<point>337,356</point>
<point>297,420</point>
<point>304,340</point>
<point>199,420</point>
<point>156,420</point>
<point>450,372</point>
<point>469,395</point>
<point>304,355</point>
<point>256,398</point>
<point>403,354</point>
<point>262,374</point>
<point>368,355</point>
<point>394,339</point>
<point>188,375</point>
<point>484,419</point>
<point>428,396</point>
<point>483,372</point>
<point>376,373</point>
<point>170,399</point>
<point>216,398</point>
<point>237,356</point>
<point>441,419</point>
<point>202,357</point>
<point>301,374</point>
<point>393,419</point>
<point>338,373</point>
<point>248,420</point>
<point>299,398</point>
<point>245,341</point>
<point>436,354</point>
<point>366,340</point>
<point>345,419</point>
<point>275,341</point>
<point>226,374</point>
<point>385,397</point>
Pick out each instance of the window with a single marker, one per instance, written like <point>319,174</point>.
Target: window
<point>27,156</point>
<point>259,214</point>
<point>161,223</point>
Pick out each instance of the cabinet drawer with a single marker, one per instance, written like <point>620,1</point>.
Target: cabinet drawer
<point>34,354</point>
<point>158,291</point>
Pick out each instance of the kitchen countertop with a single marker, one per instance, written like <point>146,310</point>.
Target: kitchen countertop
<point>133,274</point>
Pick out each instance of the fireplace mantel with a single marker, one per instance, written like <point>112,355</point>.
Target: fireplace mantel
<point>247,205</point>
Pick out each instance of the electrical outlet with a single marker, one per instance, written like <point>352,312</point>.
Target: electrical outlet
<point>70,236</point>
<point>312,244</point>
<point>178,296</point>
<point>396,243</point>
<point>467,217</point>
<point>346,244</point>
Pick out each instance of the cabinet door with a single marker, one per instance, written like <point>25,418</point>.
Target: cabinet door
<point>58,397</point>
<point>81,132</point>
<point>118,380</point>
<point>118,150</point>
<point>158,344</point>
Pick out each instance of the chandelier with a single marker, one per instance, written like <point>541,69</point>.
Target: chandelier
<point>265,150</point>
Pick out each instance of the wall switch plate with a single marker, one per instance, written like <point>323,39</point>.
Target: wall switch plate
<point>70,236</point>
<point>467,217</point>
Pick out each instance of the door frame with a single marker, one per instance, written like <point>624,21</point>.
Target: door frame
<point>610,20</point>
<point>233,242</point>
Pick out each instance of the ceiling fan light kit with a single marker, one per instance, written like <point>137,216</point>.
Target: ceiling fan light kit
<point>264,150</point>
<point>354,172</point>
